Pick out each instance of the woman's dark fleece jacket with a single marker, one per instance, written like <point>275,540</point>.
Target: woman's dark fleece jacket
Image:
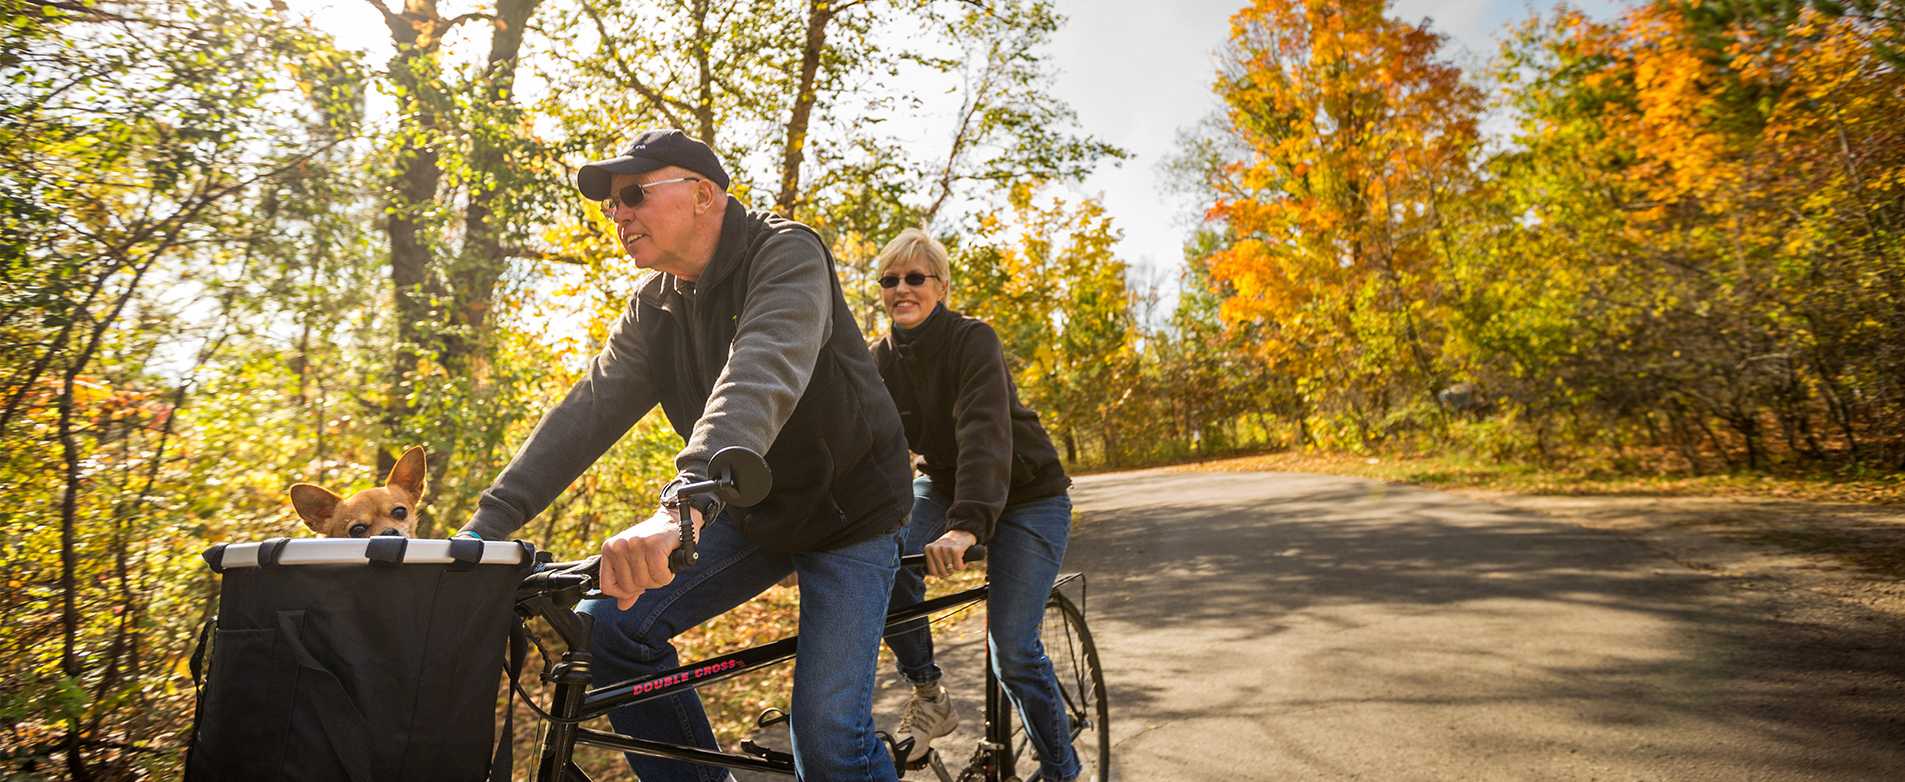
<point>962,416</point>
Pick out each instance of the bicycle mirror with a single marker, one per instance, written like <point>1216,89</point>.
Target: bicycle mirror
<point>744,474</point>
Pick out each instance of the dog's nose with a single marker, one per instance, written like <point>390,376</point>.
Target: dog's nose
<point>397,532</point>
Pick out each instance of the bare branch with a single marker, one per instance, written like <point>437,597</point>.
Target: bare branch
<point>87,13</point>
<point>662,102</point>
<point>456,20</point>
<point>544,255</point>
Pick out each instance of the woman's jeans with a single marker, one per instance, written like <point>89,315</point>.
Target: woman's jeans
<point>1022,560</point>
<point>842,614</point>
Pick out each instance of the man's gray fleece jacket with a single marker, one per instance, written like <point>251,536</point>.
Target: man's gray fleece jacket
<point>760,351</point>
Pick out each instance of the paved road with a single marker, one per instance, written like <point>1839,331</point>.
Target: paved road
<point>1300,627</point>
<point>1277,626</point>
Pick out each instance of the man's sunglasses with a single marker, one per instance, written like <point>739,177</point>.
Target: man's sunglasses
<point>633,195</point>
<point>914,279</point>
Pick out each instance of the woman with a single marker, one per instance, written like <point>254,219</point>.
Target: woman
<point>989,474</point>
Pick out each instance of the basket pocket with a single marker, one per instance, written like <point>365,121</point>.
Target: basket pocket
<point>247,706</point>
<point>329,737</point>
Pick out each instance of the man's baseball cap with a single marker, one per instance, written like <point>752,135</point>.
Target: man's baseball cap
<point>649,151</point>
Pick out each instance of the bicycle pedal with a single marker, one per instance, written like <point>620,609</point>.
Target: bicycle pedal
<point>930,757</point>
<point>900,751</point>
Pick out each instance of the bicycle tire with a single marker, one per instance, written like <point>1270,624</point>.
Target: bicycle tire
<point>1081,682</point>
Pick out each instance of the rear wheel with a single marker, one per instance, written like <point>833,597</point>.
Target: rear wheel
<point>1081,683</point>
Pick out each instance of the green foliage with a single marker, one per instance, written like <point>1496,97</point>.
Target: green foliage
<point>1046,280</point>
<point>1688,244</point>
<point>224,269</point>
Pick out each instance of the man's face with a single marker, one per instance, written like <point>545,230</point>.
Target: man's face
<point>659,232</point>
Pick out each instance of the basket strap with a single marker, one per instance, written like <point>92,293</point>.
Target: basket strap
<point>270,550</point>
<point>503,763</point>
<point>386,550</point>
<point>215,557</point>
<point>197,666</point>
<point>466,552</point>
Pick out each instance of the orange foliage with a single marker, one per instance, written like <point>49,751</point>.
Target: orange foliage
<point>1355,131</point>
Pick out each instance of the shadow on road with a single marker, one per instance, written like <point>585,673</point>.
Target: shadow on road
<point>1392,601</point>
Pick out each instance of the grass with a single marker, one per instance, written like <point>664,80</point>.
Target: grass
<point>1852,537</point>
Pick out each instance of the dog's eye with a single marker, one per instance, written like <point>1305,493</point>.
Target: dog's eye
<point>358,530</point>
<point>399,513</point>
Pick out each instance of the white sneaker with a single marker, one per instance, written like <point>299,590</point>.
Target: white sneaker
<point>929,715</point>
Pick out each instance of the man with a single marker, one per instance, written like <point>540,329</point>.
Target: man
<point>744,338</point>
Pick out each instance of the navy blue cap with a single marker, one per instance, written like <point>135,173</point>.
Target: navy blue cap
<point>649,151</point>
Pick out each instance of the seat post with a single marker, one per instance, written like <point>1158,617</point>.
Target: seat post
<point>998,720</point>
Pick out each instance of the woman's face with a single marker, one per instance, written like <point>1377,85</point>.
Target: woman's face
<point>909,304</point>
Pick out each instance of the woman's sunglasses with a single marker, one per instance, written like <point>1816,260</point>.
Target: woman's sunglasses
<point>913,279</point>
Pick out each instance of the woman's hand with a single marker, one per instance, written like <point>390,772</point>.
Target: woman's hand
<point>947,555</point>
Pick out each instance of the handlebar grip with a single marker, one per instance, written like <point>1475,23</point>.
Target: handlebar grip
<point>974,553</point>
<point>591,566</point>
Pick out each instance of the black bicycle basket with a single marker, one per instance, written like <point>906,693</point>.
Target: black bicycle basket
<point>356,659</point>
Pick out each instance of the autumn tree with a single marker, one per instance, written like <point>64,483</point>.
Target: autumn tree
<point>1045,274</point>
<point>1356,136</point>
<point>1690,236</point>
<point>138,165</point>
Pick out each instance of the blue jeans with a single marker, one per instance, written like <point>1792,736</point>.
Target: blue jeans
<point>1022,560</point>
<point>841,617</point>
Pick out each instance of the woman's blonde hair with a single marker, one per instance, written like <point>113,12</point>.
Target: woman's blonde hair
<point>910,244</point>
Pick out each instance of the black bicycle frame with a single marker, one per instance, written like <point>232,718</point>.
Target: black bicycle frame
<point>574,703</point>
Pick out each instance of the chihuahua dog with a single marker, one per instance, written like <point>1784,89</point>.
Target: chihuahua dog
<point>390,509</point>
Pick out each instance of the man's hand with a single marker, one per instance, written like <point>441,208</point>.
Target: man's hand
<point>637,559</point>
<point>948,554</point>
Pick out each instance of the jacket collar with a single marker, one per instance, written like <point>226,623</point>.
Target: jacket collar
<point>927,337</point>
<point>737,230</point>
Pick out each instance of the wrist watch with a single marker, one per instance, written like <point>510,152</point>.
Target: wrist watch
<point>706,503</point>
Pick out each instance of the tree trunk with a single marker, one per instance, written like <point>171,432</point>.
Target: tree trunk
<point>702,48</point>
<point>793,151</point>
<point>415,34</point>
<point>69,563</point>
<point>484,259</point>
<point>53,348</point>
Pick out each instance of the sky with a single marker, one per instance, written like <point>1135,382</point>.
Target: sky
<point>1136,72</point>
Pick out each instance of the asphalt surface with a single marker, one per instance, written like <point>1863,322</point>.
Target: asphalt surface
<point>1278,626</point>
<point>1259,626</point>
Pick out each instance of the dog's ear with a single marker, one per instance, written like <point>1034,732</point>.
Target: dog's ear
<point>315,504</point>
<point>409,472</point>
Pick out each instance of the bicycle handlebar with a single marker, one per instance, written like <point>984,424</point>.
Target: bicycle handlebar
<point>974,553</point>
<point>583,573</point>
<point>741,477</point>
